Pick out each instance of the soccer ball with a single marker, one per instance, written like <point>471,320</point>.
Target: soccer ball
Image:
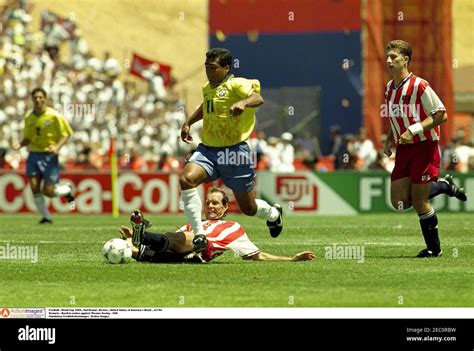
<point>117,251</point>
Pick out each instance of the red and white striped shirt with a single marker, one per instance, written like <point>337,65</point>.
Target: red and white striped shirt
<point>412,101</point>
<point>225,235</point>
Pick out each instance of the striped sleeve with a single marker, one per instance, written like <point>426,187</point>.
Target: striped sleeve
<point>429,100</point>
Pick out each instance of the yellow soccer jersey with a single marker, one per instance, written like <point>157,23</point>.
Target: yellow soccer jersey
<point>220,128</point>
<point>45,130</point>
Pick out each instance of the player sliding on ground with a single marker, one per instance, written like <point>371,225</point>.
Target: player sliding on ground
<point>416,113</point>
<point>219,236</point>
<point>228,114</point>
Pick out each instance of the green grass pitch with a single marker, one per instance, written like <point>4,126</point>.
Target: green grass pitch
<point>70,271</point>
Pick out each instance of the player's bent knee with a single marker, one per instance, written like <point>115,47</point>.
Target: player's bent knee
<point>401,204</point>
<point>188,181</point>
<point>48,191</point>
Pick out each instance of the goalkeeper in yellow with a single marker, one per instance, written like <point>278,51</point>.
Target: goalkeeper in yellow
<point>46,131</point>
<point>228,114</point>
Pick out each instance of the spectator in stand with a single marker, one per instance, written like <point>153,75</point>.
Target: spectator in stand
<point>133,161</point>
<point>273,153</point>
<point>365,151</point>
<point>345,158</point>
<point>168,163</point>
<point>155,81</point>
<point>4,164</point>
<point>287,153</point>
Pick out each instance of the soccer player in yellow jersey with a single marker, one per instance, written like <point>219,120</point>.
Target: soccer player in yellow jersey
<point>45,133</point>
<point>228,114</point>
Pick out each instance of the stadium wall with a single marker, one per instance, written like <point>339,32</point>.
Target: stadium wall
<point>338,193</point>
<point>297,44</point>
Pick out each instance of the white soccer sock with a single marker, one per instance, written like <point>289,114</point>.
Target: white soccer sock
<point>265,211</point>
<point>41,205</point>
<point>192,209</point>
<point>61,189</point>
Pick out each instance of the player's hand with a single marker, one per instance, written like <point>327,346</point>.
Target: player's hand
<point>387,148</point>
<point>125,232</point>
<point>53,149</point>
<point>304,256</point>
<point>16,146</point>
<point>185,129</point>
<point>237,109</point>
<point>406,137</point>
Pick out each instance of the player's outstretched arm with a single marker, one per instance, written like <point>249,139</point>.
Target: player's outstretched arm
<point>302,256</point>
<point>186,128</point>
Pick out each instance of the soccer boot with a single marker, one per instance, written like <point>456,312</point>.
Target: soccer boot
<point>425,253</point>
<point>277,226</point>
<point>200,243</point>
<point>45,221</point>
<point>139,224</point>
<point>70,196</point>
<point>454,190</point>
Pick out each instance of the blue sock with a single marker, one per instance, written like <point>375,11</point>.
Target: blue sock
<point>439,187</point>
<point>429,228</point>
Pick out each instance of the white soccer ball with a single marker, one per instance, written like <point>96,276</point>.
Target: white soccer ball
<point>117,251</point>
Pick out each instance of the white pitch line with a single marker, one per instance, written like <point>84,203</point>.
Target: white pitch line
<point>51,242</point>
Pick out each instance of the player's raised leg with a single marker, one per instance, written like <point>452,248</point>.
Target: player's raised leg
<point>251,206</point>
<point>52,187</point>
<point>193,175</point>
<point>446,185</point>
<point>428,220</point>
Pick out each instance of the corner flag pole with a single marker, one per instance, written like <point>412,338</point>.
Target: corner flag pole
<point>114,177</point>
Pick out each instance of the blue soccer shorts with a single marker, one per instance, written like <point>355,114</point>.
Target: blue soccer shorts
<point>43,164</point>
<point>233,164</point>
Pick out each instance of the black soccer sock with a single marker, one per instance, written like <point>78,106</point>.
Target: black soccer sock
<point>429,227</point>
<point>439,187</point>
<point>147,254</point>
<point>156,241</point>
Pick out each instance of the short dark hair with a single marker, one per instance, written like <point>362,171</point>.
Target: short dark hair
<point>225,198</point>
<point>224,57</point>
<point>401,46</point>
<point>38,89</point>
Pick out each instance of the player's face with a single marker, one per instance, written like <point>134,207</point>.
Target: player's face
<point>39,101</point>
<point>214,72</point>
<point>396,61</point>
<point>215,209</point>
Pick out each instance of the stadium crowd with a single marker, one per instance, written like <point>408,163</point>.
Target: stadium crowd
<point>145,118</point>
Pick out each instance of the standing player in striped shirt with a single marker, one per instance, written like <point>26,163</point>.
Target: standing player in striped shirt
<point>228,114</point>
<point>220,236</point>
<point>415,113</point>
